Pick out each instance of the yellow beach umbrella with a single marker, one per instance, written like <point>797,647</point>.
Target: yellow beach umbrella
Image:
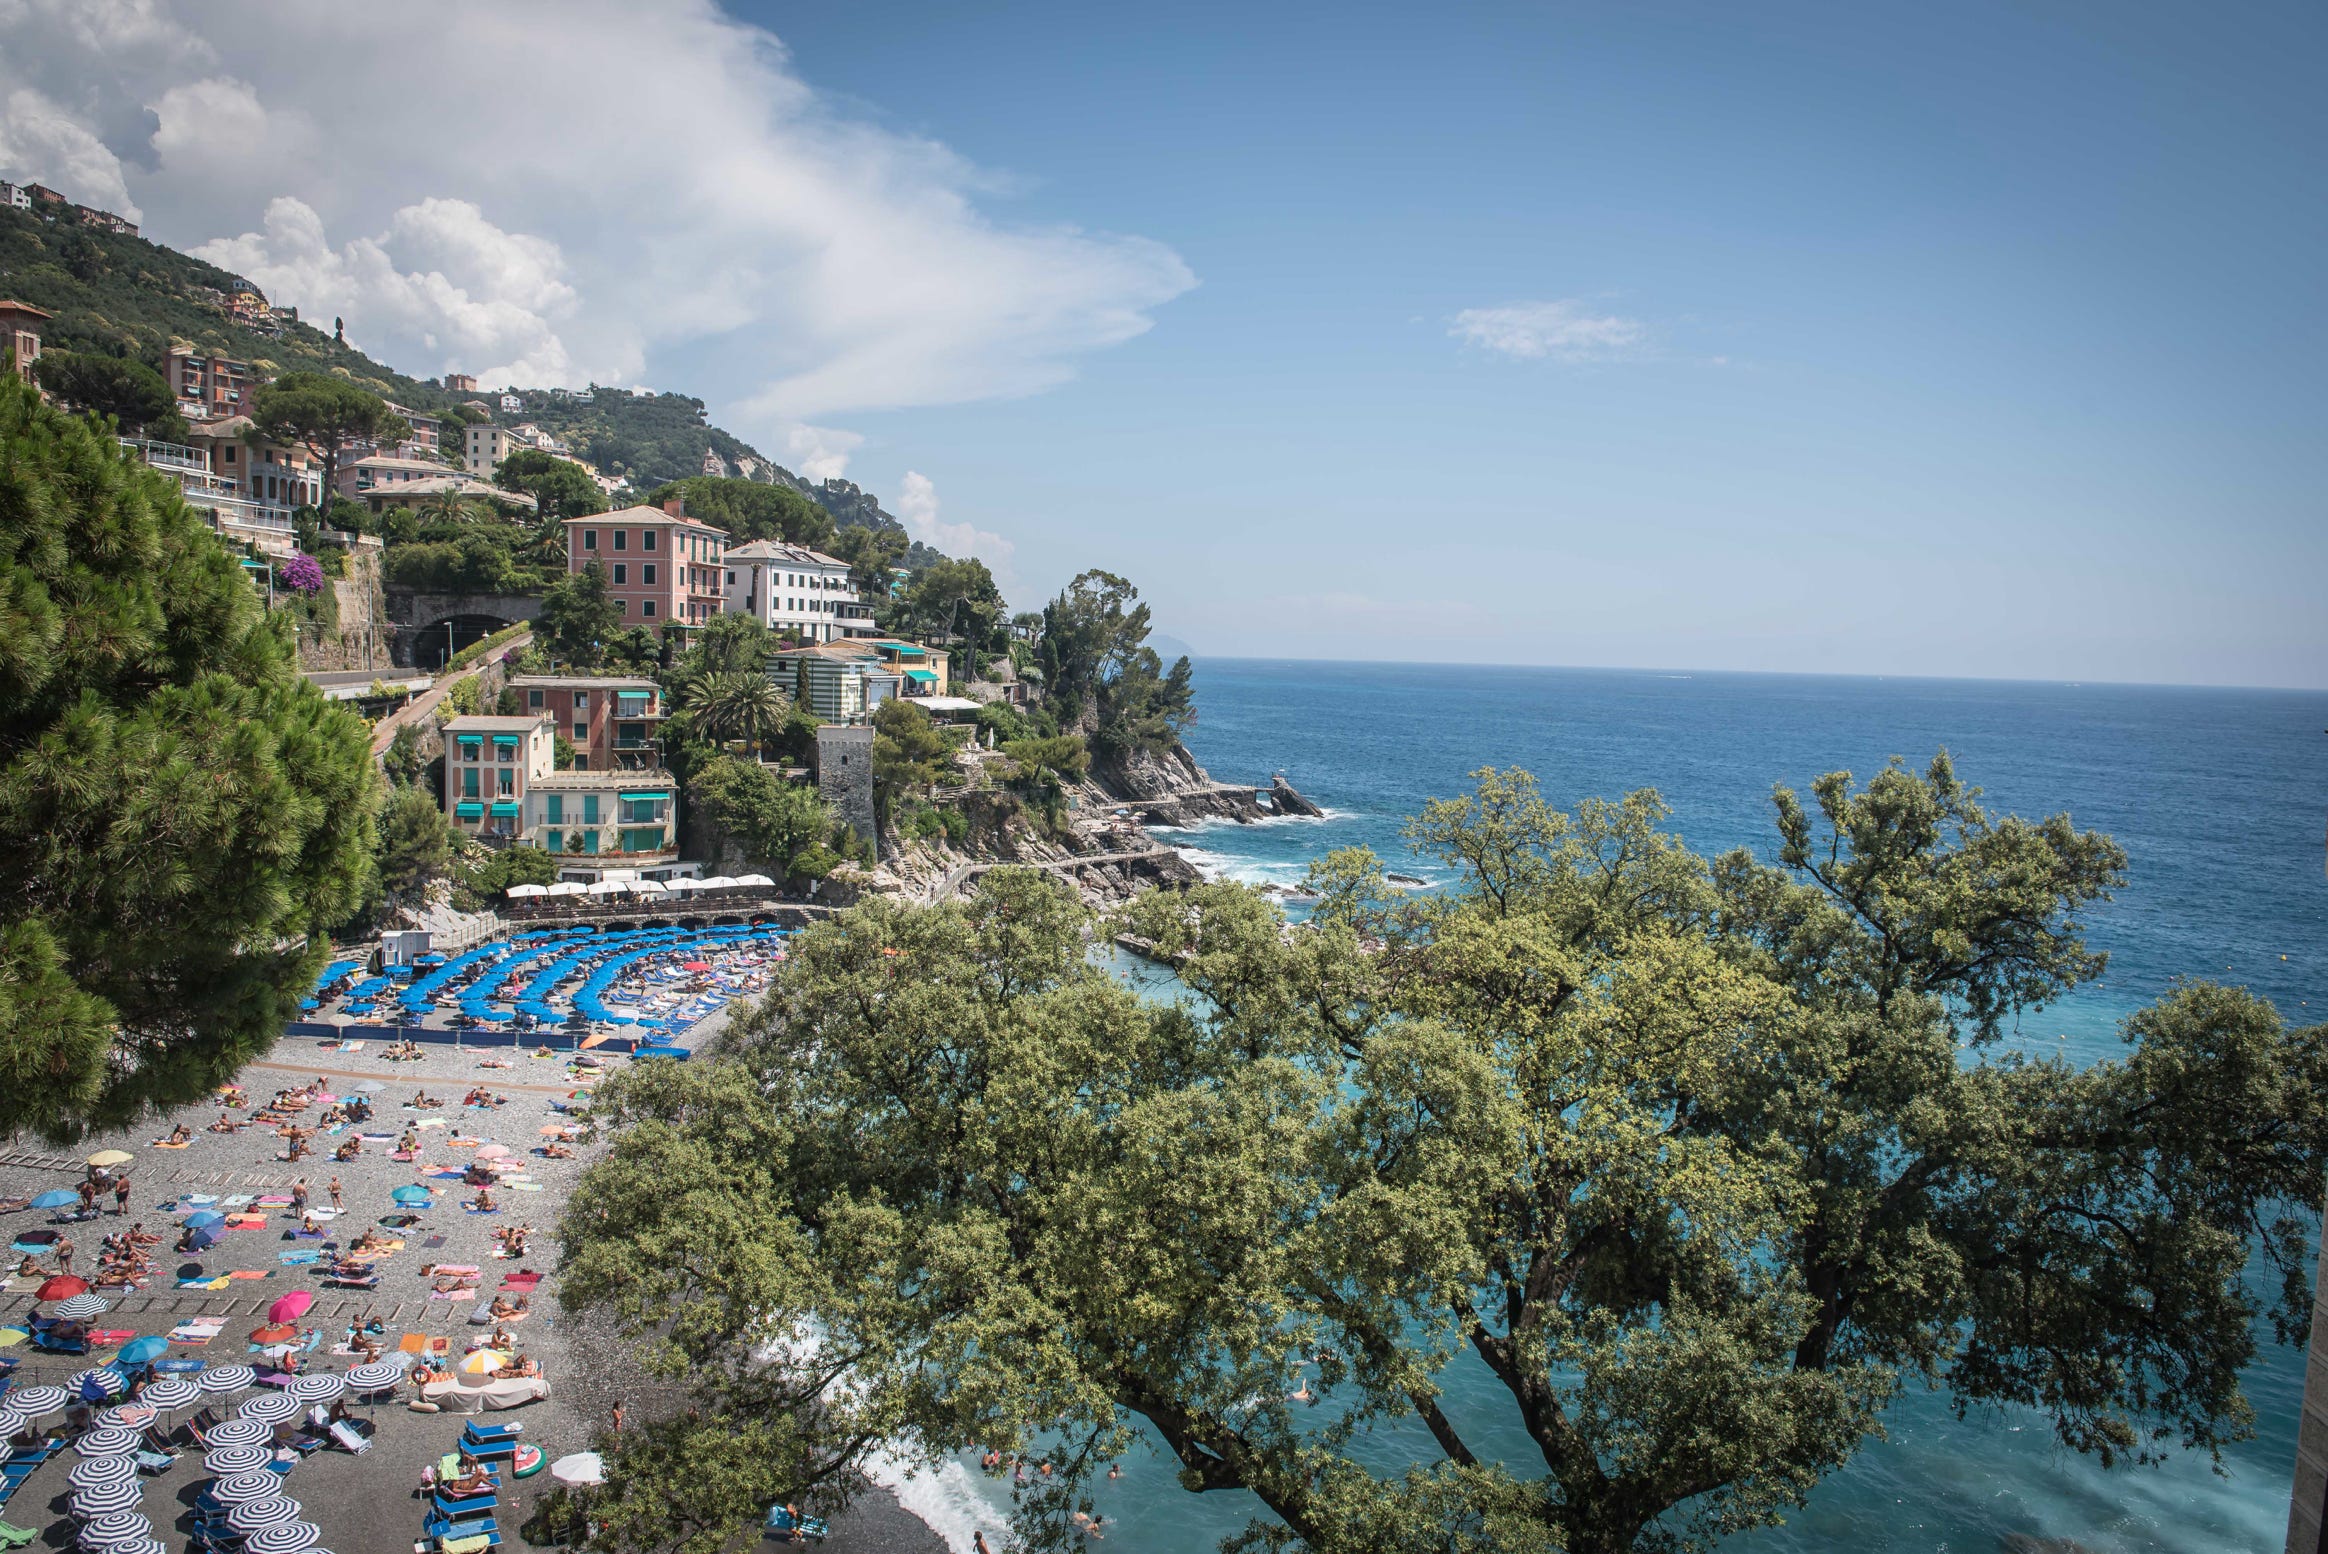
<point>111,1157</point>
<point>479,1362</point>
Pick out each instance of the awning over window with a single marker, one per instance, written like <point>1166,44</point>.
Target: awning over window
<point>469,811</point>
<point>505,739</point>
<point>643,798</point>
<point>505,808</point>
<point>632,695</point>
<point>924,676</point>
<point>468,739</point>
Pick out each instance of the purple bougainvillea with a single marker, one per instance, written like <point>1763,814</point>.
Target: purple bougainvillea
<point>301,574</point>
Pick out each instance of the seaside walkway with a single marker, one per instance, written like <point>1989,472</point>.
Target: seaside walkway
<point>962,875</point>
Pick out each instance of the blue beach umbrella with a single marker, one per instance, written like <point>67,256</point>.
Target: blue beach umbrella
<point>139,1350</point>
<point>202,1217</point>
<point>412,1195</point>
<point>201,1239</point>
<point>55,1200</point>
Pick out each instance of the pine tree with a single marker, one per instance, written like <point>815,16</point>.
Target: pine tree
<point>182,816</point>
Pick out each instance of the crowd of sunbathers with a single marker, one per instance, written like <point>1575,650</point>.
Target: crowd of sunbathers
<point>480,1096</point>
<point>511,1239</point>
<point>401,1052</point>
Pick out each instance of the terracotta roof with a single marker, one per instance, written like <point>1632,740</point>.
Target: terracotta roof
<point>646,515</point>
<point>14,306</point>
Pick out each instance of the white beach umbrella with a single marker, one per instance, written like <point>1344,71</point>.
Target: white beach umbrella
<point>569,888</point>
<point>525,892</point>
<point>754,879</point>
<point>584,1467</point>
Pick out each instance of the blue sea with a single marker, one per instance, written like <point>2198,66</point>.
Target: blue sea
<point>2218,797</point>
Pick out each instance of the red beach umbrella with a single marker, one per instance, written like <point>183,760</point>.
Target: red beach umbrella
<point>61,1286</point>
<point>274,1333</point>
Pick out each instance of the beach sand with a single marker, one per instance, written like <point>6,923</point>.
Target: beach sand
<point>365,1503</point>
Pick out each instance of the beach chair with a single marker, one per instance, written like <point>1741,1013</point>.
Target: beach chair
<point>201,1424</point>
<point>488,1434</point>
<point>12,1537</point>
<point>471,1509</point>
<point>469,1543</point>
<point>42,1338</point>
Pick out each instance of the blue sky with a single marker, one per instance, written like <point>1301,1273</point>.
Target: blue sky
<point>1949,340</point>
<point>1971,340</point>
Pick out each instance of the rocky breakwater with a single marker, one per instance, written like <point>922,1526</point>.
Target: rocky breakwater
<point>1170,789</point>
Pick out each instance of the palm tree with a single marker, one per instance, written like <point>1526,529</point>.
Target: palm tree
<point>734,704</point>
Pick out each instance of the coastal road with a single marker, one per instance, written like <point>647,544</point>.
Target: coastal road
<point>417,711</point>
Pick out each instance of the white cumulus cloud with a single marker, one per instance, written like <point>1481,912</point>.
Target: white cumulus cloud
<point>917,509</point>
<point>556,191</point>
<point>1563,330</point>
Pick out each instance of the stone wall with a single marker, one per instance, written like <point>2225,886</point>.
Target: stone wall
<point>363,637</point>
<point>844,776</point>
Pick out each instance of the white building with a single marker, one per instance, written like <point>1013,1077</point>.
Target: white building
<point>796,590</point>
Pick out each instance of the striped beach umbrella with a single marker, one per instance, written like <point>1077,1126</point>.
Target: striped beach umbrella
<point>227,1461</point>
<point>81,1308</point>
<point>114,1529</point>
<point>102,1470</point>
<point>240,1489</point>
<point>321,1388</point>
<point>253,1515</point>
<point>137,1546</point>
<point>106,1441</point>
<point>171,1392</point>
<point>39,1402</point>
<point>106,1499</point>
<point>96,1384</point>
<point>239,1432</point>
<point>229,1378</point>
<point>12,1422</point>
<point>379,1376</point>
<point>271,1408</point>
<point>130,1416</point>
<point>290,1538</point>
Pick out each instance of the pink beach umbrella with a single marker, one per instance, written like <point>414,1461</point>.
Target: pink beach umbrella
<point>291,1307</point>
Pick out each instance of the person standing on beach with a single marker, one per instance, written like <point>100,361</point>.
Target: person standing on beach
<point>299,1198</point>
<point>335,1195</point>
<point>121,1196</point>
<point>618,1416</point>
<point>65,1254</point>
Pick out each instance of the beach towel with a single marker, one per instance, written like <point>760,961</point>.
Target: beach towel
<point>111,1337</point>
<point>218,1283</point>
<point>275,1200</point>
<point>232,1200</point>
<point>412,1343</point>
<point>521,1280</point>
<point>298,1259</point>
<point>351,1046</point>
<point>195,1334</point>
<point>524,1186</point>
<point>247,1222</point>
<point>166,1144</point>
<point>252,1273</point>
<point>434,1241</point>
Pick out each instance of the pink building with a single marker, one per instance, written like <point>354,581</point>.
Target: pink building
<point>661,565</point>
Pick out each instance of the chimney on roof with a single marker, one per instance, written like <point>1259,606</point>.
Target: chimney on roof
<point>676,506</point>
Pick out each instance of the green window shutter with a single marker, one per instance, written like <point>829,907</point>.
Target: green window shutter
<point>590,809</point>
<point>556,814</point>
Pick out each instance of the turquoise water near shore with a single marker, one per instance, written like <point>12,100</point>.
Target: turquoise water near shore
<point>2217,795</point>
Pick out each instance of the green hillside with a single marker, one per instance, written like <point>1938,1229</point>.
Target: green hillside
<point>125,296</point>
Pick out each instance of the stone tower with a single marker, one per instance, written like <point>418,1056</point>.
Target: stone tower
<point>844,776</point>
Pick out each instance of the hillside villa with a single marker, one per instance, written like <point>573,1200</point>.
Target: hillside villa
<point>663,568</point>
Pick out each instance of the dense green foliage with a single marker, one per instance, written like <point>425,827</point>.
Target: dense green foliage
<point>561,487</point>
<point>416,845</point>
<point>1047,763</point>
<point>131,392</point>
<point>773,821</point>
<point>1102,679</point>
<point>324,411</point>
<point>579,617</point>
<point>1704,1160</point>
<point>957,602</point>
<point>182,816</point>
<point>909,754</point>
<point>750,510</point>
